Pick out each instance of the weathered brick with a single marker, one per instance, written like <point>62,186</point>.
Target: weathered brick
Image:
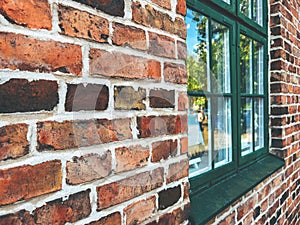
<point>112,7</point>
<point>18,218</point>
<point>154,126</point>
<point>130,99</point>
<point>161,45</point>
<point>168,197</point>
<point>112,219</point>
<point>163,149</point>
<point>181,50</point>
<point>20,95</point>
<point>138,212</point>
<point>129,36</point>
<point>163,3</point>
<point>54,135</point>
<point>88,168</point>
<point>13,141</point>
<point>26,182</point>
<point>75,208</point>
<point>184,145</point>
<point>178,171</point>
<point>161,98</point>
<point>31,14</point>
<point>125,66</point>
<point>182,101</point>
<point>25,53</point>
<point>131,157</point>
<point>175,73</point>
<point>123,190</point>
<point>86,97</point>
<point>181,7</point>
<point>76,23</point>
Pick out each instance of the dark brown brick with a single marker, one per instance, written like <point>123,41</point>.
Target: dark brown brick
<point>169,197</point>
<point>13,141</point>
<point>76,23</point>
<point>129,36</point>
<point>75,208</point>
<point>88,168</point>
<point>17,183</point>
<point>89,97</point>
<point>125,66</point>
<point>178,171</point>
<point>163,149</point>
<point>161,45</point>
<point>18,218</point>
<point>20,95</point>
<point>130,99</point>
<point>175,73</point>
<point>29,54</point>
<point>112,219</point>
<point>123,190</point>
<point>32,14</point>
<point>161,98</point>
<point>131,158</point>
<point>112,7</point>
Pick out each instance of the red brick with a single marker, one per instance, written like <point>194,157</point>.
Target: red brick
<point>112,7</point>
<point>161,98</point>
<point>129,36</point>
<point>175,73</point>
<point>123,190</point>
<point>131,158</point>
<point>184,145</point>
<point>182,101</point>
<point>54,135</point>
<point>13,141</point>
<point>138,212</point>
<point>18,218</point>
<point>20,95</point>
<point>75,208</point>
<point>86,97</point>
<point>161,45</point>
<point>163,3</point>
<point>125,66</point>
<point>31,14</point>
<point>153,126</point>
<point>163,149</point>
<point>129,99</point>
<point>112,219</point>
<point>76,23</point>
<point>181,7</point>
<point>25,53</point>
<point>88,168</point>
<point>178,171</point>
<point>26,182</point>
<point>181,50</point>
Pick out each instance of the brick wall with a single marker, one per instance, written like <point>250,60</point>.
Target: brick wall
<point>277,199</point>
<point>93,112</point>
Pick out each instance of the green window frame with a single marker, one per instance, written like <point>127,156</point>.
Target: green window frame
<point>227,68</point>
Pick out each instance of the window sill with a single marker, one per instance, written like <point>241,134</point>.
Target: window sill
<point>208,203</point>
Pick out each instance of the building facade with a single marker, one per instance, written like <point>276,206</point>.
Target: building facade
<point>94,116</point>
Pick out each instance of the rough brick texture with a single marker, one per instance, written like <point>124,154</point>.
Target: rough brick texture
<point>26,53</point>
<point>128,98</point>
<point>163,149</point>
<point>19,95</point>
<point>161,45</point>
<point>31,14</point>
<point>13,141</point>
<point>160,98</point>
<point>112,219</point>
<point>167,198</point>
<point>17,183</point>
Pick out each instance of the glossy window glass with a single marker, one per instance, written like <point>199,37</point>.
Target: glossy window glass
<point>246,126</point>
<point>252,9</point>
<point>258,123</point>
<point>246,62</point>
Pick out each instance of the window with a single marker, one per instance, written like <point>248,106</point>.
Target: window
<point>227,87</point>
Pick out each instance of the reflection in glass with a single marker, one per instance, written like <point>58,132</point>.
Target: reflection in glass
<point>221,117</point>
<point>227,1</point>
<point>257,11</point>
<point>245,7</point>
<point>246,126</point>
<point>258,68</point>
<point>220,58</point>
<point>197,61</point>
<point>199,138</point>
<point>258,123</point>
<point>246,64</point>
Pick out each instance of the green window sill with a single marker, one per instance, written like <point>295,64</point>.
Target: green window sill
<point>208,203</point>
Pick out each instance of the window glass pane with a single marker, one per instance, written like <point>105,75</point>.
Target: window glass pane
<point>257,11</point>
<point>245,7</point>
<point>199,135</point>
<point>198,53</point>
<point>246,126</point>
<point>246,64</point>
<point>259,123</point>
<point>222,132</point>
<point>220,58</point>
<point>258,68</point>
<point>227,1</point>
